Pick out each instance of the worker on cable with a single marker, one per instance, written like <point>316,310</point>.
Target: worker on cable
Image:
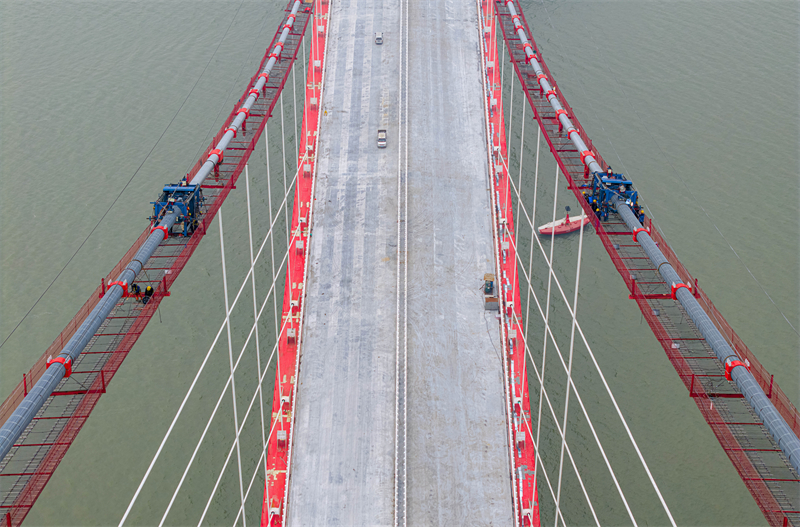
<point>610,173</point>
<point>148,292</point>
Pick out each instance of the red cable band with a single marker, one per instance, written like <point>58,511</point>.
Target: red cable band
<point>123,285</point>
<point>231,129</point>
<point>638,230</point>
<point>162,229</point>
<point>66,361</point>
<point>730,365</point>
<point>216,152</point>
<point>675,288</point>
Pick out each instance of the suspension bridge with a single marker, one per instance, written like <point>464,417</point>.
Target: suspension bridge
<point>410,344</point>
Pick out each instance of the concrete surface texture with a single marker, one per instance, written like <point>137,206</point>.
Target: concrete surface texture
<point>458,460</point>
<point>343,467</point>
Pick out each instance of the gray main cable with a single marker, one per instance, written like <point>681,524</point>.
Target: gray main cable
<point>29,407</point>
<point>777,426</point>
<point>16,424</point>
<point>230,133</point>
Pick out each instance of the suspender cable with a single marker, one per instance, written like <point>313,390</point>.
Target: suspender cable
<point>230,357</point>
<point>59,368</point>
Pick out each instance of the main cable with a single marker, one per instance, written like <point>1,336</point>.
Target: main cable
<point>197,376</point>
<point>597,367</point>
<point>130,180</point>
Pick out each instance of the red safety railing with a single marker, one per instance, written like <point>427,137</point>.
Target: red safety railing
<point>290,337</point>
<point>522,450</point>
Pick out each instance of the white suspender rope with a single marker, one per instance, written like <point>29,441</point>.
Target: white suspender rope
<point>255,315</point>
<point>230,358</point>
<point>571,381</point>
<point>569,374</point>
<point>272,247</point>
<point>199,372</point>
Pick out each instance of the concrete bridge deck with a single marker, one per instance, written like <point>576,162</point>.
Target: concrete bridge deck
<point>457,469</point>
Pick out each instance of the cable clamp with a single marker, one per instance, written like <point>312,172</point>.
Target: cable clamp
<point>231,129</point>
<point>254,91</point>
<point>161,228</point>
<point>541,76</point>
<point>216,152</point>
<point>265,75</point>
<point>584,155</point>
<point>731,364</point>
<point>548,93</point>
<point>515,18</point>
<point>569,132</point>
<point>243,110</point>
<point>526,45</point>
<point>123,285</point>
<point>675,288</point>
<point>561,112</point>
<point>66,361</point>
<point>638,230</point>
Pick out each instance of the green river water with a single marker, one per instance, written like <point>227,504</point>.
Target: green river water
<point>698,102</point>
